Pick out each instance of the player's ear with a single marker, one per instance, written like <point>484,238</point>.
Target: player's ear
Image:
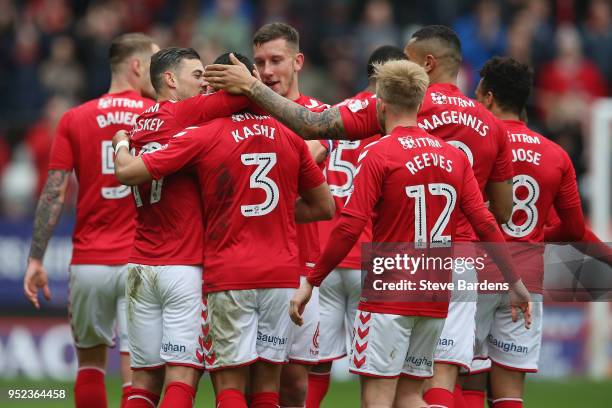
<point>298,61</point>
<point>430,63</point>
<point>136,66</point>
<point>489,98</point>
<point>170,79</point>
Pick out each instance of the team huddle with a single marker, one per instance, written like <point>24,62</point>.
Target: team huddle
<point>220,226</point>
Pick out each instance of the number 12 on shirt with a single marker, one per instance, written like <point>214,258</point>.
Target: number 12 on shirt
<point>420,212</point>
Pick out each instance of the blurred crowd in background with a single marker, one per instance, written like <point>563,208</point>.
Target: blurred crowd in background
<point>54,56</point>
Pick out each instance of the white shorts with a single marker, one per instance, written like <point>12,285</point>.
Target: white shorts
<point>305,339</point>
<point>508,344</point>
<point>244,326</point>
<point>96,304</point>
<point>338,300</point>
<point>164,312</point>
<point>456,343</point>
<point>387,345</point>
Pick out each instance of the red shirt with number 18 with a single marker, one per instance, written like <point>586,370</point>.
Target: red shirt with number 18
<point>169,227</point>
<point>104,230</point>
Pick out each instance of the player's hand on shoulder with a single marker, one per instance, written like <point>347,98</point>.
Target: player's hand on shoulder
<point>520,300</point>
<point>298,302</point>
<point>34,280</point>
<point>120,136</point>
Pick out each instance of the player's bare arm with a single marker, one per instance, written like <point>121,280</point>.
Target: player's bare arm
<point>129,170</point>
<point>47,214</point>
<point>500,200</point>
<point>315,204</point>
<point>309,125</point>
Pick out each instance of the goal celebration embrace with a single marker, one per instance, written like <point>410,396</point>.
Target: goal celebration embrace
<point>239,240</point>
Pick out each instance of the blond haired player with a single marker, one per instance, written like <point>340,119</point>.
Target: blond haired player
<point>401,175</point>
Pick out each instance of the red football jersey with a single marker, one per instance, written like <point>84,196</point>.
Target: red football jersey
<point>308,234</point>
<point>104,230</point>
<point>251,169</point>
<point>457,119</point>
<point>340,172</point>
<point>544,180</point>
<point>399,177</point>
<point>169,228</point>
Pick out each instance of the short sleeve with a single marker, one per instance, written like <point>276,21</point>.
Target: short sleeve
<point>182,150</point>
<point>367,186</point>
<point>359,118</point>
<point>310,174</point>
<point>568,196</point>
<point>502,170</point>
<point>62,156</point>
<point>203,108</point>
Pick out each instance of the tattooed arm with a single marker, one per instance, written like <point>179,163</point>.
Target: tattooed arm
<point>309,125</point>
<point>47,214</point>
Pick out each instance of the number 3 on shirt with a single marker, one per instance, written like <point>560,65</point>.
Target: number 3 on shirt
<point>259,179</point>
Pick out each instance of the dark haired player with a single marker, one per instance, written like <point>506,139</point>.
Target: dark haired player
<point>104,230</point>
<point>467,125</point>
<point>339,293</point>
<point>544,181</point>
<point>277,56</point>
<point>251,170</point>
<point>165,275</point>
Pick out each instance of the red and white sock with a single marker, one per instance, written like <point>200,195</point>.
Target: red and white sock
<point>508,403</point>
<point>264,400</point>
<point>125,389</point>
<point>439,398</point>
<point>458,397</point>
<point>141,398</point>
<point>231,398</point>
<point>179,395</point>
<point>318,384</point>
<point>89,388</point>
<point>474,398</point>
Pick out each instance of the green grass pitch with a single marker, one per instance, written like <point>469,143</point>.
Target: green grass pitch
<point>567,393</point>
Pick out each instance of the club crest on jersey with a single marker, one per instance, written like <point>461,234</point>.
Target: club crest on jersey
<point>406,141</point>
<point>439,98</point>
<point>357,104</point>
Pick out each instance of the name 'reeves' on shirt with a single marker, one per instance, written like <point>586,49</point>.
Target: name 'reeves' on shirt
<point>457,119</point>
<point>402,170</point>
